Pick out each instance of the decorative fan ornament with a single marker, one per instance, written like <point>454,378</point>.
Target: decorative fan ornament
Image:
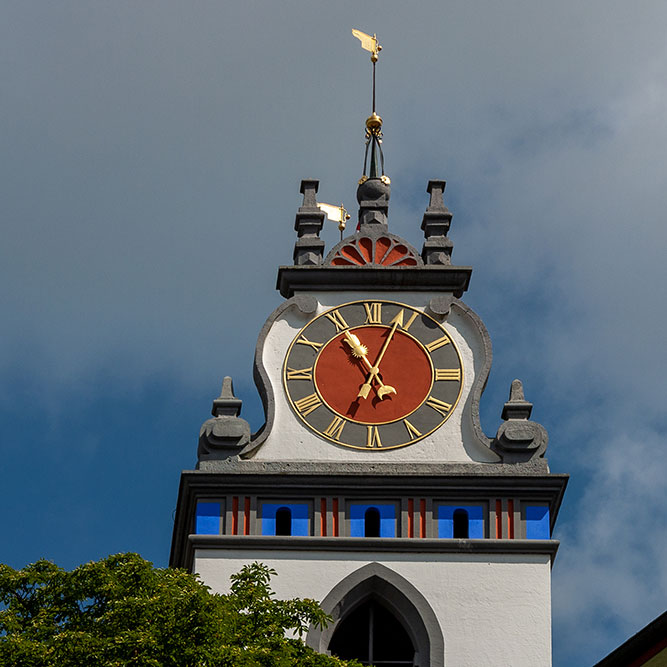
<point>383,251</point>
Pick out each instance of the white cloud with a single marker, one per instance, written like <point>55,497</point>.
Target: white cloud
<point>611,577</point>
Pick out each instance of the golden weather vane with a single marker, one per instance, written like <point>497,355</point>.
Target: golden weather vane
<point>369,43</point>
<point>373,122</point>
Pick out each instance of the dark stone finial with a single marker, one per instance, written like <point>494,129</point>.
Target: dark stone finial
<point>516,391</point>
<point>373,191</point>
<point>309,247</point>
<point>519,439</point>
<point>226,405</point>
<point>373,197</point>
<point>436,189</point>
<point>517,407</point>
<point>226,434</point>
<point>435,224</point>
<point>309,188</point>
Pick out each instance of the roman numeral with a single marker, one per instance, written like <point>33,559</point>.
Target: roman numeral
<point>442,407</point>
<point>338,320</point>
<point>304,341</point>
<point>300,373</point>
<point>440,342</point>
<point>412,431</point>
<point>307,404</point>
<point>399,320</point>
<point>413,317</point>
<point>373,313</point>
<point>448,374</point>
<point>335,428</point>
<point>373,437</point>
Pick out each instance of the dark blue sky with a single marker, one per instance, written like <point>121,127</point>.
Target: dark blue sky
<point>152,154</point>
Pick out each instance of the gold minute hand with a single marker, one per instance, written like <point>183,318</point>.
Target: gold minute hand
<point>384,390</point>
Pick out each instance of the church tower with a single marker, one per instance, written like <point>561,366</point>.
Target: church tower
<point>372,487</point>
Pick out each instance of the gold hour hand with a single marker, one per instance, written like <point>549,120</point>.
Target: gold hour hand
<point>358,350</point>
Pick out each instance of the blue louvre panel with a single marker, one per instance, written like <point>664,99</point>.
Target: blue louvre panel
<point>537,522</point>
<point>207,518</point>
<point>475,520</point>
<point>387,519</point>
<point>300,518</point>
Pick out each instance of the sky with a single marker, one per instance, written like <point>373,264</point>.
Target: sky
<point>152,155</point>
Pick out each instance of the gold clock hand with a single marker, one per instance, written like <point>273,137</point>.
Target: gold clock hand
<point>360,351</point>
<point>396,321</point>
<point>384,390</point>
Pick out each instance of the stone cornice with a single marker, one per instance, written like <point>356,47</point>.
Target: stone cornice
<point>293,279</point>
<point>235,466</point>
<point>408,545</point>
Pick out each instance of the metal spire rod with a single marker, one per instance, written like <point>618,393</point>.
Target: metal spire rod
<point>374,61</point>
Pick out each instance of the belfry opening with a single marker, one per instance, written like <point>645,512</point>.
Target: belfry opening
<point>372,635</point>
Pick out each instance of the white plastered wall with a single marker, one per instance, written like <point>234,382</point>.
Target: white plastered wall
<point>493,609</point>
<point>454,442</point>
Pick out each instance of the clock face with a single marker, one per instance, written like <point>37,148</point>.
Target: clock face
<point>373,375</point>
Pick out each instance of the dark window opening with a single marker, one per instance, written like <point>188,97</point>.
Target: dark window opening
<point>374,636</point>
<point>461,525</point>
<point>284,521</point>
<point>372,522</point>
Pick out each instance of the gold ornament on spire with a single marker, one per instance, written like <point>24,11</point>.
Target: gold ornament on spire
<point>335,214</point>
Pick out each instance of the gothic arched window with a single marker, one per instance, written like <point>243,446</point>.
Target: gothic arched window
<point>372,522</point>
<point>374,636</point>
<point>461,525</point>
<point>284,521</point>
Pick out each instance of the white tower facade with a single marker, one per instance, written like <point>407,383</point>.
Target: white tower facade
<point>372,486</point>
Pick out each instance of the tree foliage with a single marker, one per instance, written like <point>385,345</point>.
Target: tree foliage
<point>122,611</point>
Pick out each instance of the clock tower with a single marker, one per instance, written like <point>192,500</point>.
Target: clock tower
<point>372,487</point>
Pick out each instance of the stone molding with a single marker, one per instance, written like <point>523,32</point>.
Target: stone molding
<point>483,375</point>
<point>409,545</point>
<point>305,304</point>
<point>314,476</point>
<point>293,279</point>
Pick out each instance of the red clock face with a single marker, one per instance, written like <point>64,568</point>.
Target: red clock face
<point>373,375</point>
<point>405,367</point>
